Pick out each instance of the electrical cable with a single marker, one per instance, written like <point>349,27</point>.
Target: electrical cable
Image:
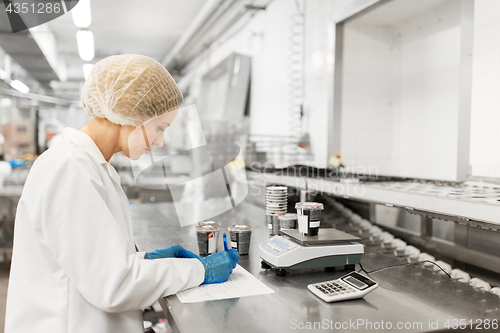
<point>400,265</point>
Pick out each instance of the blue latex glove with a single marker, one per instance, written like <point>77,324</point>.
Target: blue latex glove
<point>219,266</point>
<point>174,251</point>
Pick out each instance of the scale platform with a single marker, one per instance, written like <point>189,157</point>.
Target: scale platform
<point>325,236</point>
<point>329,249</point>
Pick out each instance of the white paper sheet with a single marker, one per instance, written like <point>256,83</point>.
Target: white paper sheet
<point>240,284</point>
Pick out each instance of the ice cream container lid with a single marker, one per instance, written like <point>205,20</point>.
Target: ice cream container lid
<point>209,223</point>
<point>207,228</point>
<point>277,188</point>
<point>240,227</point>
<point>309,205</point>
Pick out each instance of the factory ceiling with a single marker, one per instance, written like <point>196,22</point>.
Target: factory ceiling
<point>25,51</point>
<point>119,26</point>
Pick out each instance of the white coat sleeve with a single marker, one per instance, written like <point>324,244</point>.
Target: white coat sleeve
<point>85,240</point>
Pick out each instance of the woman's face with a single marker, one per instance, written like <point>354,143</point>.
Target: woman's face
<point>143,138</point>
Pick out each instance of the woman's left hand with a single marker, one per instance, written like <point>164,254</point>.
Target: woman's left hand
<point>174,251</point>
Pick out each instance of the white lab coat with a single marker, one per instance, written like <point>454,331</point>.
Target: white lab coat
<point>74,264</point>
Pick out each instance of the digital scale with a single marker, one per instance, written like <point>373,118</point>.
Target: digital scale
<point>329,249</point>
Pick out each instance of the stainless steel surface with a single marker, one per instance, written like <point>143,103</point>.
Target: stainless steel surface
<point>480,252</point>
<point>280,151</point>
<point>466,255</point>
<point>11,191</point>
<point>401,194</point>
<point>464,221</point>
<point>406,295</point>
<point>9,198</point>
<point>425,227</point>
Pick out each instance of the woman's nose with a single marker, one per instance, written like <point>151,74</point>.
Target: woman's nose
<point>158,141</point>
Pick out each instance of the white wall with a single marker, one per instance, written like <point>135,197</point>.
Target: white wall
<point>368,96</point>
<point>427,112</point>
<point>266,39</point>
<point>400,92</point>
<point>485,123</point>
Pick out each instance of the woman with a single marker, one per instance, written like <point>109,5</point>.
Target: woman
<point>74,264</point>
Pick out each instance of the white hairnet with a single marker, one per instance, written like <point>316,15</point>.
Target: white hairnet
<point>129,90</point>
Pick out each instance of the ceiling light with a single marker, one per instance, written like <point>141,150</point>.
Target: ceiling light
<point>85,41</point>
<point>87,69</point>
<point>3,74</point>
<point>82,15</point>
<point>54,84</point>
<point>5,102</point>
<point>19,86</point>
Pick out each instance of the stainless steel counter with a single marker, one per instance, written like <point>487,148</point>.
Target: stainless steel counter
<point>412,296</point>
<point>468,204</point>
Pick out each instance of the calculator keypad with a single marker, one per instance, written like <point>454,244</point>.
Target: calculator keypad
<point>339,290</point>
<point>335,287</point>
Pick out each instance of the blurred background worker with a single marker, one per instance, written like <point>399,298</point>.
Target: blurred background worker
<point>74,257</point>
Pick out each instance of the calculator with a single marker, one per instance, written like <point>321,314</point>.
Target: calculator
<point>350,286</point>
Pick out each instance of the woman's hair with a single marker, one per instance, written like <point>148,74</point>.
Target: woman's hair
<point>129,89</point>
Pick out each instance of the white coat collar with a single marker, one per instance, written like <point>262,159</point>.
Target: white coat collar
<point>85,143</point>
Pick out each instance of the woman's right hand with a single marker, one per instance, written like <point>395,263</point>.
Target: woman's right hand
<point>174,251</point>
<point>219,266</point>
